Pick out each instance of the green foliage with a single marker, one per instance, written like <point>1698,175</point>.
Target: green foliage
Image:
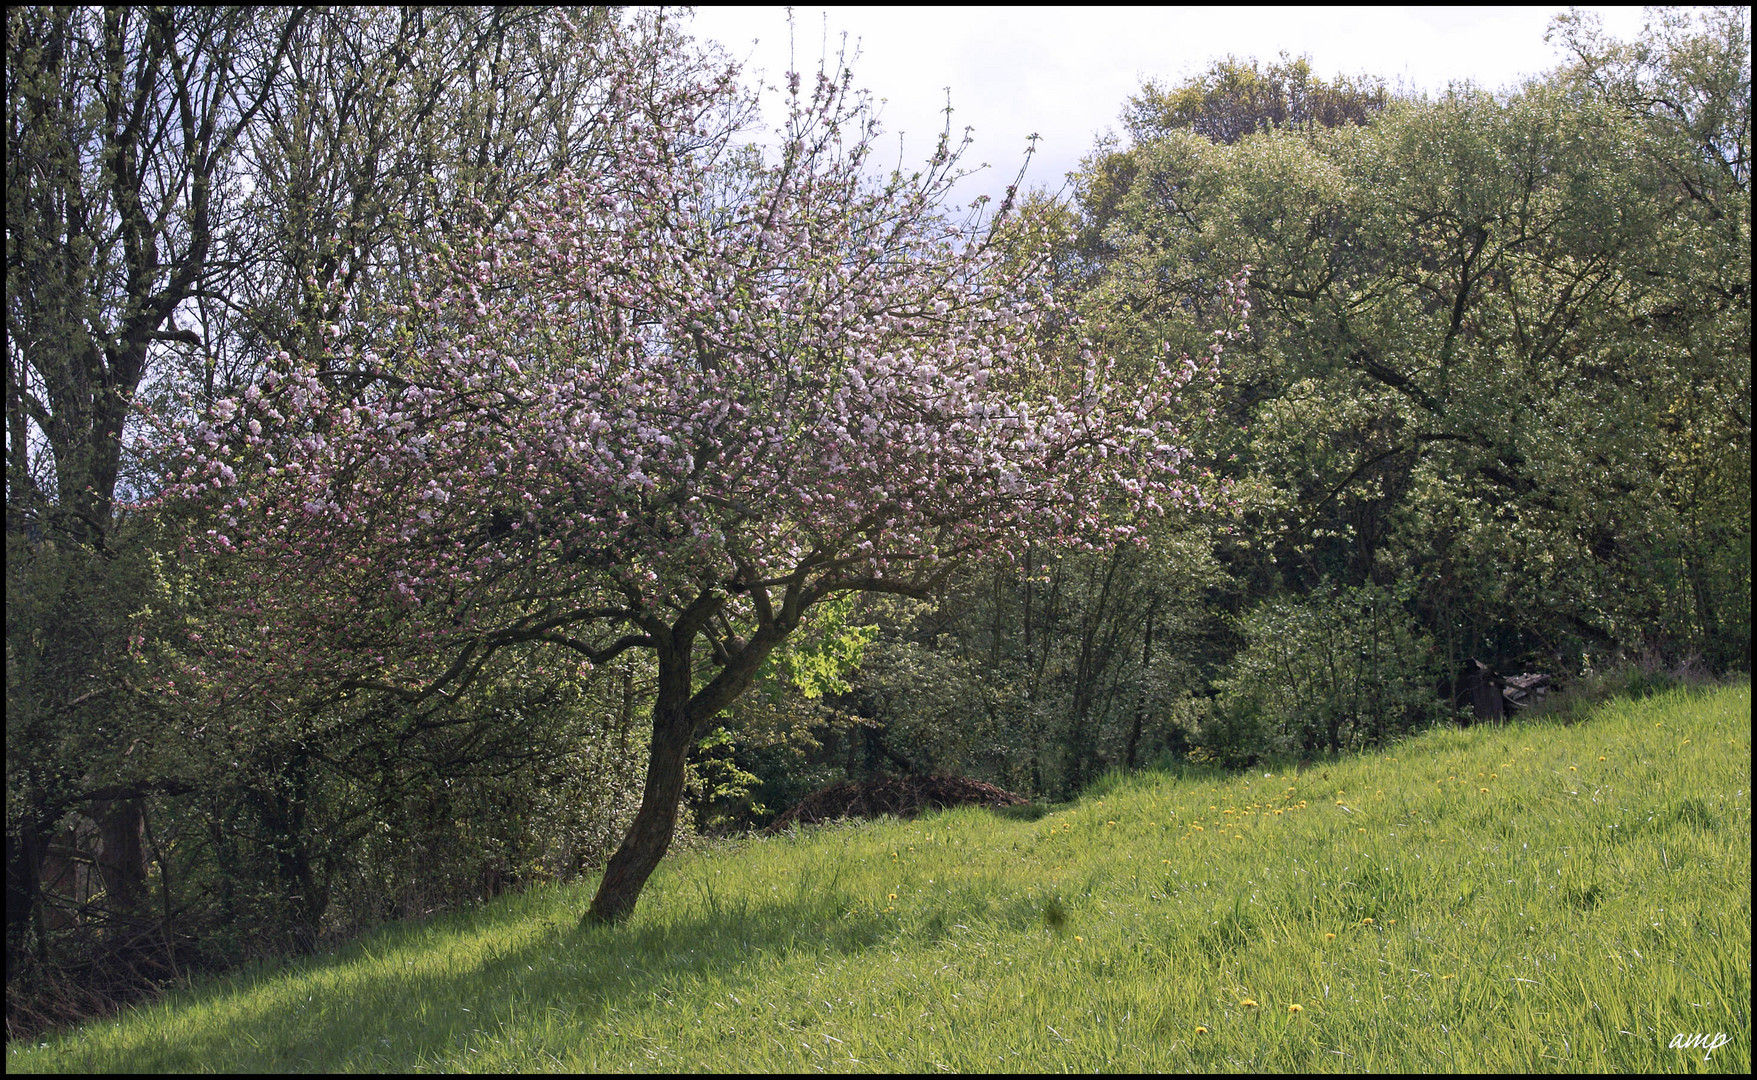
<point>1235,98</point>
<point>716,787</point>
<point>818,659</point>
<point>1338,669</point>
<point>1494,342</point>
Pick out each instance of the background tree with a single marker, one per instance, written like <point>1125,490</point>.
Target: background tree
<point>184,185</point>
<point>1460,377</point>
<point>122,125</point>
<point>1235,98</point>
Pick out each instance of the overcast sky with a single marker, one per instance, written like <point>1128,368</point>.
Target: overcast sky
<point>1066,72</point>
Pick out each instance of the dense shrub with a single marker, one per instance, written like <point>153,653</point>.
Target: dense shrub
<point>1339,668</point>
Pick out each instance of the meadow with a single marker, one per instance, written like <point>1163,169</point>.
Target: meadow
<point>1541,896</point>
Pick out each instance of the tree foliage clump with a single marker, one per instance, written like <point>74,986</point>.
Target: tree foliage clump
<point>1502,346</point>
<point>1336,669</point>
<point>1235,98</point>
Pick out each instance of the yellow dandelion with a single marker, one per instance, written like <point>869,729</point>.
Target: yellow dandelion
<point>1368,919</point>
<point>893,896</point>
<point>1295,1008</point>
<point>1109,823</point>
<point>1200,1030</point>
<point>1601,757</point>
<point>1390,922</point>
<point>1329,937</point>
<point>1443,978</point>
<point>1483,790</point>
<point>1494,776</point>
<point>1077,937</point>
<point>1572,769</point>
<point>1248,1003</point>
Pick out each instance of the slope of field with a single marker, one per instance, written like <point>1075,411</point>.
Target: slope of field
<point>1530,897</point>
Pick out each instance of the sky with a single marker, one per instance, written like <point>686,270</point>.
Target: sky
<point>1065,73</point>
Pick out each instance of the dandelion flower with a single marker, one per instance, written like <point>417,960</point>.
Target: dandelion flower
<point>1572,769</point>
<point>1077,937</point>
<point>1443,978</point>
<point>893,896</point>
<point>1248,1003</point>
<point>1329,937</point>
<point>1200,1030</point>
<point>1295,1008</point>
<point>1368,919</point>
<point>1601,757</point>
<point>1483,790</point>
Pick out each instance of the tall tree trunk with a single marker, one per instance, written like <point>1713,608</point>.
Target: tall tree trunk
<point>678,717</point>
<point>121,856</point>
<point>1141,689</point>
<point>649,837</point>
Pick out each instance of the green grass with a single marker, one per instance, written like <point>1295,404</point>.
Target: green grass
<point>1531,897</point>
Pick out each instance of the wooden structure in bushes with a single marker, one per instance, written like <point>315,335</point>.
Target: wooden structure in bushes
<point>1492,696</point>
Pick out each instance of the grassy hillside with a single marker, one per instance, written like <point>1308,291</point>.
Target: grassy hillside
<point>1532,897</point>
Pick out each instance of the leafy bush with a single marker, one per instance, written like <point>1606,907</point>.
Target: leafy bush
<point>1339,668</point>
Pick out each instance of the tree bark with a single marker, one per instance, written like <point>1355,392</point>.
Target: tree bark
<point>121,856</point>
<point>678,715</point>
<point>649,837</point>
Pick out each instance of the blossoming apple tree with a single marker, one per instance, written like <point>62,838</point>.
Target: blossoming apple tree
<point>670,406</point>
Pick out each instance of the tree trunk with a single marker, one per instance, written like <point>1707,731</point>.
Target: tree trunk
<point>655,823</point>
<point>121,856</point>
<point>678,716</point>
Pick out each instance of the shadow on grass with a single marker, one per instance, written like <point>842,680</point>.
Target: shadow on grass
<point>359,1009</point>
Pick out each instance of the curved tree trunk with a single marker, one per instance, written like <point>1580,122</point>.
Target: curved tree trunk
<point>678,715</point>
<point>655,823</point>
